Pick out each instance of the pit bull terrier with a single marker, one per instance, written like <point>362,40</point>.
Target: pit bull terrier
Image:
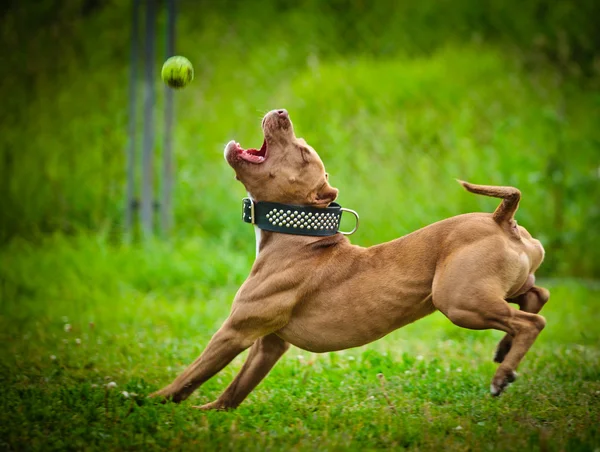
<point>310,287</point>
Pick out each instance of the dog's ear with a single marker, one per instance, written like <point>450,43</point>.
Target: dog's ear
<point>325,195</point>
<point>305,153</point>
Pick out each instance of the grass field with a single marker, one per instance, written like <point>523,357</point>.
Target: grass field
<point>399,99</point>
<point>78,314</point>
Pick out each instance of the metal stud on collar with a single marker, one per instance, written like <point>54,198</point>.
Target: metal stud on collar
<point>303,220</point>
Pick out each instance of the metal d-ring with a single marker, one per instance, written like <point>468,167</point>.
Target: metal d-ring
<point>343,209</point>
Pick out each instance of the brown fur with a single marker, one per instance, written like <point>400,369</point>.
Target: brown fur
<point>324,294</point>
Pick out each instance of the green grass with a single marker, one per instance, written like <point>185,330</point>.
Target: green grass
<point>399,99</point>
<point>138,316</point>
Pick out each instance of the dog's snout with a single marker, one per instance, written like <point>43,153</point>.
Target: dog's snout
<point>277,124</point>
<point>281,113</point>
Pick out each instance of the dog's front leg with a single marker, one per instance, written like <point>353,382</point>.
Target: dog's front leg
<point>263,355</point>
<point>225,345</point>
<point>253,315</point>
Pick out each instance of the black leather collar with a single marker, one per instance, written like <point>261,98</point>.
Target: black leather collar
<point>298,220</point>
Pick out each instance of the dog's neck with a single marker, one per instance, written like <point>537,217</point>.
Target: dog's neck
<point>270,244</point>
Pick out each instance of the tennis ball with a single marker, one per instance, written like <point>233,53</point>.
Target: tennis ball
<point>177,72</point>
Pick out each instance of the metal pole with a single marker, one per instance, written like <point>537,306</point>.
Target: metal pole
<point>148,142</point>
<point>130,157</point>
<point>166,205</point>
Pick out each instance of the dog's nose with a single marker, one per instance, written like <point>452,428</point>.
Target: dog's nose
<point>282,113</point>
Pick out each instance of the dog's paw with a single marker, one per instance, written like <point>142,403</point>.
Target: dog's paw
<point>158,397</point>
<point>212,406</point>
<point>501,381</point>
<point>164,395</point>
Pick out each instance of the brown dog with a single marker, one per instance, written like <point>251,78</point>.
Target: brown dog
<point>324,294</point>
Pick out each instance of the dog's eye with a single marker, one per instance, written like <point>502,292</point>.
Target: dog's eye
<point>327,176</point>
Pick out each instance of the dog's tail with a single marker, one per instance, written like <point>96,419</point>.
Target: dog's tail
<point>510,199</point>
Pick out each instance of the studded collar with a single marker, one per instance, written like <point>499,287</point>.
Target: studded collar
<point>298,220</point>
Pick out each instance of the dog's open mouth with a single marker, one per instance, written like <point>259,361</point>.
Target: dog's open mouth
<point>252,155</point>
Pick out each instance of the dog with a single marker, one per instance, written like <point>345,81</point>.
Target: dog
<point>321,293</point>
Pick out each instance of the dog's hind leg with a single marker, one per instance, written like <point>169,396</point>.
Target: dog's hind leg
<point>531,301</point>
<point>492,312</point>
<point>263,355</point>
<point>482,306</point>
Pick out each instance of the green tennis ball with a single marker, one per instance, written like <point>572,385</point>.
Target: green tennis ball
<point>177,72</point>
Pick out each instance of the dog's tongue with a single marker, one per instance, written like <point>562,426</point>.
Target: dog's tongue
<point>253,155</point>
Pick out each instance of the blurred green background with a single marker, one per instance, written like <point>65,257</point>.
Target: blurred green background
<point>399,99</point>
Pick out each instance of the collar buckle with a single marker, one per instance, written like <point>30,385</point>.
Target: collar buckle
<point>248,211</point>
